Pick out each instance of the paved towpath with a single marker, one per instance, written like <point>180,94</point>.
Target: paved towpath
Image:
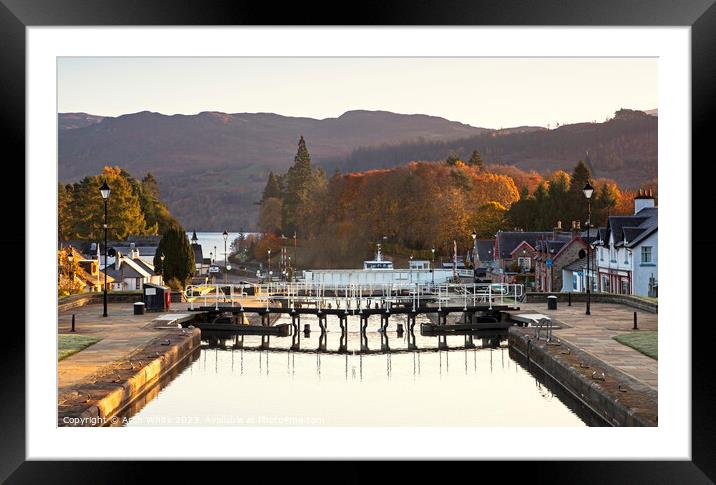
<point>121,332</point>
<point>593,334</point>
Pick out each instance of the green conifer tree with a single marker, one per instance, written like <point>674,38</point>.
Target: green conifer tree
<point>178,265</point>
<point>476,160</point>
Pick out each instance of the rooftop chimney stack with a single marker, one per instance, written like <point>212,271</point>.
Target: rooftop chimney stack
<point>644,200</point>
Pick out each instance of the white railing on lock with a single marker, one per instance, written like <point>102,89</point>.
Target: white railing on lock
<point>350,296</point>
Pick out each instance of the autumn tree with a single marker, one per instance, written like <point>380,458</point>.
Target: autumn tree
<point>489,219</point>
<point>270,215</point>
<point>125,216</point>
<point>605,202</point>
<point>64,218</point>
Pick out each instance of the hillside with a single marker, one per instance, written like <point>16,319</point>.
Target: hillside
<point>623,149</point>
<point>211,167</point>
<point>225,158</point>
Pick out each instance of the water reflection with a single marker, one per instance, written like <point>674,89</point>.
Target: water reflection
<point>344,377</point>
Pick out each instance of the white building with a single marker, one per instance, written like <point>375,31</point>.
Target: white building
<point>627,251</point>
<point>379,271</point>
<point>130,272</point>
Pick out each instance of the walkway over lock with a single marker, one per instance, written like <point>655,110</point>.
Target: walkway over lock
<point>353,298</point>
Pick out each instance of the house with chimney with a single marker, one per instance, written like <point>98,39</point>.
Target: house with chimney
<point>561,250</point>
<point>85,275</point>
<point>514,253</point>
<point>131,271</point>
<point>627,251</point>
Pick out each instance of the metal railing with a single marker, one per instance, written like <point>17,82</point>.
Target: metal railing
<point>352,296</point>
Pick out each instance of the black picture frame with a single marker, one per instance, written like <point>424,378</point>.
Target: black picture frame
<point>700,15</point>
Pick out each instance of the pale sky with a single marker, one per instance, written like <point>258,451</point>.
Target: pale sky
<point>485,92</point>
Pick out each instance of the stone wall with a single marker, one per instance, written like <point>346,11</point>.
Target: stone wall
<point>629,300</point>
<point>83,299</point>
<point>636,406</point>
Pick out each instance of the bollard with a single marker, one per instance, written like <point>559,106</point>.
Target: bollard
<point>307,329</point>
<point>635,325</point>
<point>569,299</point>
<point>400,328</point>
<point>73,323</point>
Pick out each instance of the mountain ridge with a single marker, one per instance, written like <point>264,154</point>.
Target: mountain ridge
<point>225,157</point>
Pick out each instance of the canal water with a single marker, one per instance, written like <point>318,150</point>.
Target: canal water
<point>213,242</point>
<point>233,381</point>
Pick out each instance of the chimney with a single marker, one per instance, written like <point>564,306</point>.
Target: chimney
<point>644,200</point>
<point>117,261</point>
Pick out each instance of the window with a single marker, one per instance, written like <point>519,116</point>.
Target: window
<point>646,254</point>
<point>574,281</point>
<point>601,254</point>
<point>524,263</point>
<point>626,256</point>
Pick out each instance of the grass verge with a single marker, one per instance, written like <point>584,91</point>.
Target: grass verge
<point>68,344</point>
<point>644,342</point>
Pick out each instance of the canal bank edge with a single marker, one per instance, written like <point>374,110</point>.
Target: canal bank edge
<point>97,403</point>
<point>619,399</point>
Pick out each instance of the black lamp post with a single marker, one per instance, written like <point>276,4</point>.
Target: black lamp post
<point>269,264</point>
<point>162,273</point>
<point>105,190</point>
<point>432,265</point>
<point>588,191</point>
<point>295,258</point>
<point>226,271</point>
<point>410,266</point>
<point>474,246</point>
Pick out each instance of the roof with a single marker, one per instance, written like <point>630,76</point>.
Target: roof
<point>507,241</point>
<point>523,243</point>
<point>130,268</point>
<point>143,250</point>
<point>581,264</point>
<point>485,248</point>
<point>631,230</point>
<point>550,246</point>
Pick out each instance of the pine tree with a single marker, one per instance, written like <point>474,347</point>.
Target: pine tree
<point>178,264</point>
<point>476,160</point>
<point>299,182</point>
<point>452,159</point>
<point>577,209</point>
<point>272,189</point>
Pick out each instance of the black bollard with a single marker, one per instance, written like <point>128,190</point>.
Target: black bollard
<point>635,325</point>
<point>569,299</point>
<point>307,330</point>
<point>400,328</point>
<point>73,323</point>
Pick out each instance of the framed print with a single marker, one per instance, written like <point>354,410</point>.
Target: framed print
<point>431,234</point>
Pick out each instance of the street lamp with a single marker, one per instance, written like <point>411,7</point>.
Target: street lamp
<point>474,246</point>
<point>162,273</point>
<point>211,263</point>
<point>105,190</point>
<point>588,191</point>
<point>411,268</point>
<point>269,264</point>
<point>432,265</point>
<point>295,258</point>
<point>226,271</point>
